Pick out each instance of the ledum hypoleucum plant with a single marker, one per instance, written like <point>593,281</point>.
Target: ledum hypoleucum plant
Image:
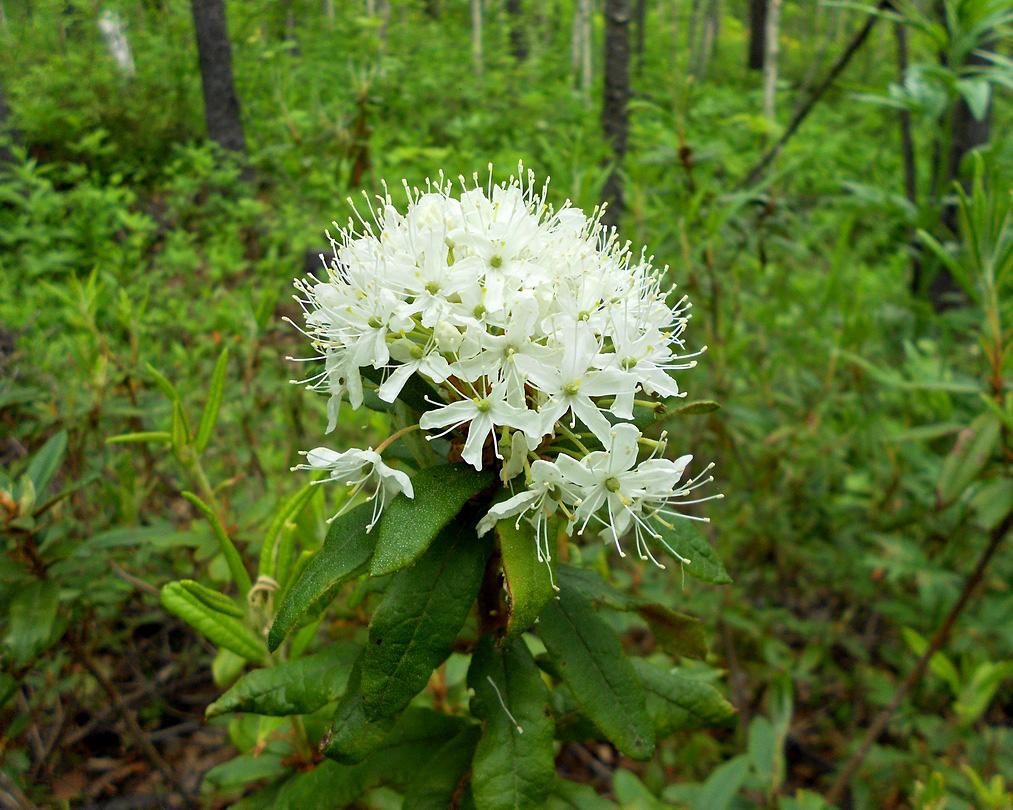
<point>523,354</point>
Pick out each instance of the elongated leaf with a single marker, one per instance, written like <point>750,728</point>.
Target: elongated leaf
<point>696,408</point>
<point>214,600</point>
<point>46,461</point>
<point>514,765</point>
<point>295,687</point>
<point>161,436</point>
<point>969,456</point>
<point>31,616</point>
<point>180,428</point>
<point>593,665</point>
<point>346,551</point>
<point>684,539</point>
<point>216,393</point>
<point>408,525</point>
<point>677,633</point>
<point>353,735</point>
<point>225,631</point>
<point>529,585</point>
<point>678,702</point>
<point>288,511</point>
<point>567,795</point>
<point>235,562</point>
<point>163,383</point>
<point>442,778</point>
<point>414,627</point>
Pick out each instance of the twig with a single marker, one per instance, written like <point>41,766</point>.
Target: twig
<point>150,752</point>
<point>882,720</point>
<point>10,792</point>
<point>126,576</point>
<point>803,112</point>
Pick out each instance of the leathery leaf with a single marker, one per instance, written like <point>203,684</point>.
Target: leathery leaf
<point>514,763</point>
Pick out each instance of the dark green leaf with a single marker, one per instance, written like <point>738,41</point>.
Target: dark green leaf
<point>225,631</point>
<point>328,785</point>
<point>528,583</point>
<point>677,633</point>
<point>353,735</point>
<point>684,539</point>
<point>346,551</point>
<point>216,393</point>
<point>415,394</point>
<point>409,525</point>
<point>593,665</point>
<point>46,462</point>
<point>414,627</point>
<point>436,785</point>
<point>644,417</point>
<point>246,768</point>
<point>970,454</point>
<point>514,765</point>
<point>678,702</point>
<point>30,619</point>
<point>294,687</point>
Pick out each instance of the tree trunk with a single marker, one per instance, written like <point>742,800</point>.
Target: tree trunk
<point>640,20</point>
<point>615,120</point>
<point>221,105</point>
<point>476,36</point>
<point>581,60</point>
<point>770,59</point>
<point>518,37</point>
<point>757,34</point>
<point>7,132</point>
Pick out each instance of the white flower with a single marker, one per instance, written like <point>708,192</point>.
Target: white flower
<point>357,469</point>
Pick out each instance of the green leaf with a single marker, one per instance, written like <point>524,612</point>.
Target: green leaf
<point>216,393</point>
<point>993,502</point>
<point>644,416</point>
<point>414,627</point>
<point>443,777</point>
<point>701,406</point>
<point>161,436</point>
<point>213,599</point>
<point>685,540</point>
<point>677,633</point>
<point>528,582</point>
<point>163,383</point>
<point>514,765</point>
<point>408,525</point>
<point>723,783</point>
<point>286,513</point>
<point>678,702</point>
<point>354,735</point>
<point>632,794</point>
<point>345,554</point>
<point>567,795</point>
<point>46,461</point>
<point>180,428</point>
<point>414,394</point>
<point>237,568</point>
<point>329,784</point>
<point>31,616</point>
<point>592,664</point>
<point>294,687</point>
<point>246,768</point>
<point>225,631</point>
<point>969,456</point>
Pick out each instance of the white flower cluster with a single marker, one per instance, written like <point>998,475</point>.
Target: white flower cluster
<point>533,330</point>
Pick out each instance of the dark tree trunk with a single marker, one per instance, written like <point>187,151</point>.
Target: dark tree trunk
<point>7,132</point>
<point>757,33</point>
<point>967,134</point>
<point>221,105</point>
<point>518,37</point>
<point>640,20</point>
<point>615,120</point>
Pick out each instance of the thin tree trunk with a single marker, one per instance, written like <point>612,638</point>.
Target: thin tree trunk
<point>221,104</point>
<point>770,59</point>
<point>7,132</point>
<point>476,36</point>
<point>581,60</point>
<point>518,36</point>
<point>615,120</point>
<point>640,20</point>
<point>757,34</point>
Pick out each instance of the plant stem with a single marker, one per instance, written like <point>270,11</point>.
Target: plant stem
<point>394,437</point>
<point>836,792</point>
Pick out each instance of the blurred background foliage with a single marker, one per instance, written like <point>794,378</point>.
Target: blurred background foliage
<point>127,239</point>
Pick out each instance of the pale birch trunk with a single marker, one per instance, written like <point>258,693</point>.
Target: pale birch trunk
<point>770,59</point>
<point>476,36</point>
